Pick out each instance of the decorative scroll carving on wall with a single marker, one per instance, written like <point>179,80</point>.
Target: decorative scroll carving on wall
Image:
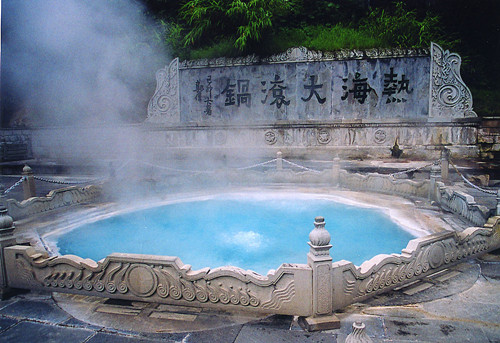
<point>164,105</point>
<point>449,97</point>
<point>154,278</point>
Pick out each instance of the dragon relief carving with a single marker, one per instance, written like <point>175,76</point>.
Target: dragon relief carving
<point>149,279</point>
<point>449,97</point>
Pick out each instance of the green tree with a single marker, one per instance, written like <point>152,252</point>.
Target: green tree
<point>244,21</point>
<point>402,28</point>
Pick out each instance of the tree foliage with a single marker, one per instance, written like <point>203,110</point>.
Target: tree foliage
<point>244,21</point>
<point>401,28</point>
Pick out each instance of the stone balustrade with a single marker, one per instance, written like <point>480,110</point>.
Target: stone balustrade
<point>461,204</point>
<point>55,199</point>
<point>313,290</point>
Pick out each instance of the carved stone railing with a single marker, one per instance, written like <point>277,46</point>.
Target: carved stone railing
<point>422,256</point>
<point>163,279</point>
<point>293,289</point>
<point>462,204</point>
<point>383,184</point>
<point>55,199</point>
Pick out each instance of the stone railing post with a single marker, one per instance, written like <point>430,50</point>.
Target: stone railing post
<point>435,177</point>
<point>336,171</point>
<point>498,202</point>
<point>279,160</point>
<point>445,164</point>
<point>7,239</point>
<point>2,196</point>
<point>320,261</point>
<point>28,183</point>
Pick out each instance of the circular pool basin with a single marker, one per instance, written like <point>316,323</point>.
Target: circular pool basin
<point>253,230</point>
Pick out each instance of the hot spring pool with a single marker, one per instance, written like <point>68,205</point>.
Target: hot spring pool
<point>252,231</point>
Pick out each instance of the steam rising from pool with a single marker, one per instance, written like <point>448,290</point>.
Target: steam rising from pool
<point>257,231</point>
<point>247,240</point>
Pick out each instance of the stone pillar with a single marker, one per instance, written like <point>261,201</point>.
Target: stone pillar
<point>279,160</point>
<point>435,177</point>
<point>445,164</point>
<point>28,183</point>
<point>336,171</point>
<point>498,202</point>
<point>320,261</point>
<point>6,240</point>
<point>2,196</point>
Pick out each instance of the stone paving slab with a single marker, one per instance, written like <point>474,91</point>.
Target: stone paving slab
<point>101,337</point>
<point>42,333</point>
<point>259,334</point>
<point>224,335</point>
<point>6,323</point>
<point>36,310</point>
<point>432,331</point>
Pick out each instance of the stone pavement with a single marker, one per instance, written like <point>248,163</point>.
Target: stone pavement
<point>461,304</point>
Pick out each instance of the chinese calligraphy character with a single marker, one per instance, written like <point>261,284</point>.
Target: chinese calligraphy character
<point>312,90</point>
<point>360,89</point>
<point>244,96</point>
<point>208,99</point>
<point>393,86</point>
<point>230,96</point>
<point>198,89</point>
<point>277,91</point>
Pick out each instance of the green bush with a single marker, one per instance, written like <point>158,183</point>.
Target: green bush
<point>225,48</point>
<point>402,28</point>
<point>339,37</point>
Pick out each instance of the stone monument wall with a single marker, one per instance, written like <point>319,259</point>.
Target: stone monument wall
<point>346,101</point>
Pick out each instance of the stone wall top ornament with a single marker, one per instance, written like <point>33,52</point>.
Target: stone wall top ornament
<point>449,96</point>
<point>302,54</point>
<point>164,105</point>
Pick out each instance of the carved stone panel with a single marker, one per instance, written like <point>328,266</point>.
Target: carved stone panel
<point>164,106</point>
<point>162,279</point>
<point>449,96</point>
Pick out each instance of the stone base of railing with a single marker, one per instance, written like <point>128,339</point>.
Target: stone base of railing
<point>319,323</point>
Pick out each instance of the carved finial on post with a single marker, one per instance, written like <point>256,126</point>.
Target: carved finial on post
<point>7,239</point>
<point>320,261</point>
<point>29,190</point>
<point>358,334</point>
<point>319,238</point>
<point>279,160</point>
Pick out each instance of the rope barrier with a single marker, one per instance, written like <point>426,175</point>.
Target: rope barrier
<point>39,178</point>
<point>302,167</point>
<point>8,190</point>
<point>177,170</point>
<point>415,169</point>
<point>487,191</point>
<point>257,165</point>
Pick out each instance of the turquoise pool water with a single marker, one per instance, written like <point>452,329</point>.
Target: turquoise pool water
<point>251,232</point>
